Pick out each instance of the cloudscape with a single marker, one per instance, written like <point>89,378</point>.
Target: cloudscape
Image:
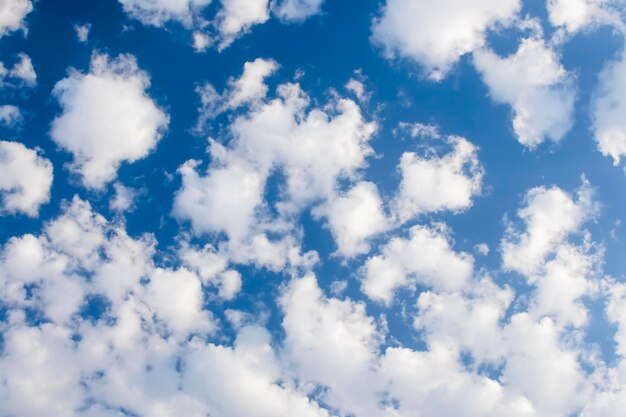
<point>312,208</point>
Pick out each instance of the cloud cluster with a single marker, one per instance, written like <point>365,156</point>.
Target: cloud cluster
<point>233,19</point>
<point>107,118</point>
<point>159,12</point>
<point>98,323</point>
<point>310,149</point>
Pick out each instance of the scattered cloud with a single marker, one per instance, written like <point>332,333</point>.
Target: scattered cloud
<point>25,181</point>
<point>436,34</point>
<point>107,118</point>
<point>536,86</point>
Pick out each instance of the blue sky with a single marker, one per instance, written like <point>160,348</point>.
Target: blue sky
<point>312,207</point>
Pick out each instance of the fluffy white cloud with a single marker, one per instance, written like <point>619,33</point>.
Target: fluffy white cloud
<point>12,14</point>
<point>332,343</point>
<point>236,17</point>
<point>354,217</point>
<point>426,258</point>
<point>565,278</point>
<point>38,359</point>
<point>297,10</point>
<point>26,179</point>
<point>245,380</point>
<point>443,317</point>
<point>550,215</point>
<point>107,118</point>
<point>437,34</point>
<point>159,12</point>
<point>537,87</point>
<point>211,267</point>
<point>534,368</point>
<point>176,298</point>
<point>575,15</point>
<point>608,109</point>
<point>434,183</point>
<point>249,88</point>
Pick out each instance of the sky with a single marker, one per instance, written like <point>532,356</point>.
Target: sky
<point>312,208</point>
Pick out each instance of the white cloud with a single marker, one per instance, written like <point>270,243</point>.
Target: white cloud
<point>297,10</point>
<point>224,200</point>
<point>433,183</point>
<point>24,71</point>
<point>537,361</point>
<point>443,317</point>
<point>249,88</point>
<point>354,217</point>
<point>575,15</point>
<point>437,34</point>
<point>12,14</point>
<point>236,17</point>
<point>425,258</point>
<point>332,343</point>
<point>159,12</point>
<point>201,41</point>
<point>39,359</point>
<point>211,267</point>
<point>107,118</point>
<point>26,179</point>
<point>565,278</point>
<point>537,87</point>
<point>245,381</point>
<point>482,249</point>
<point>82,32</point>
<point>608,109</point>
<point>176,298</point>
<point>550,215</point>
<point>358,89</point>
<point>10,115</point>
<point>123,199</point>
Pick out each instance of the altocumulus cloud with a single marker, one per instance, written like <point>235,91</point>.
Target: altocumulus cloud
<point>303,237</point>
